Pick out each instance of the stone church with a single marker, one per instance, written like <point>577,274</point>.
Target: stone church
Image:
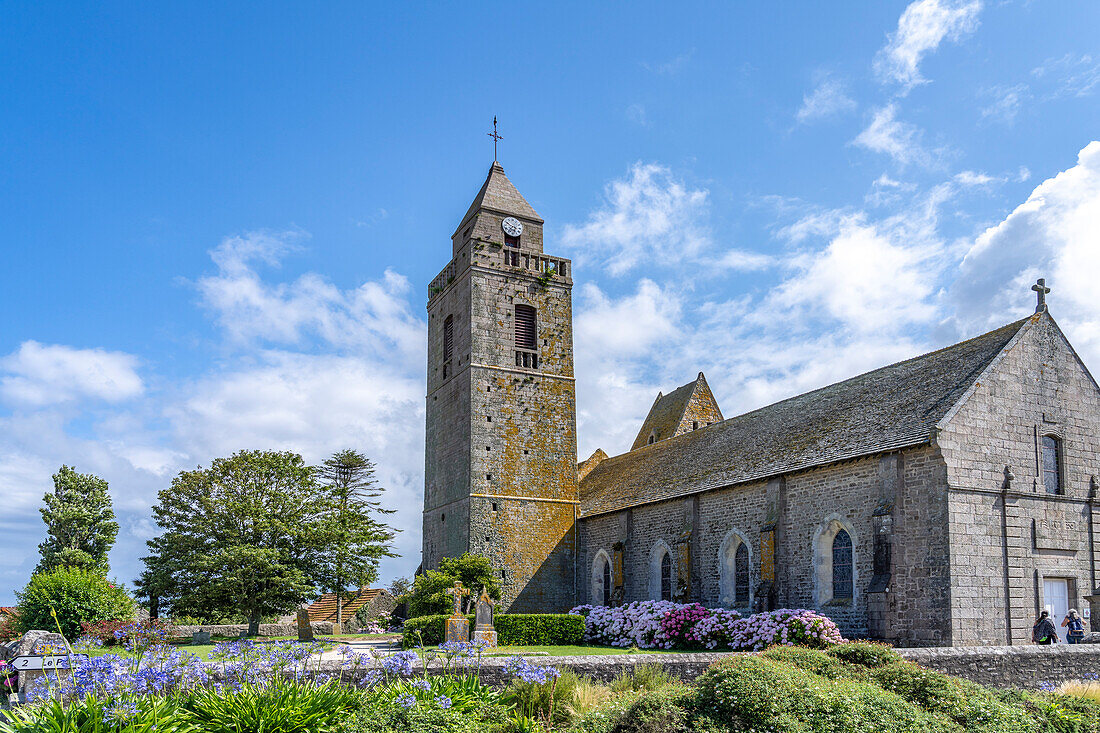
<point>942,500</point>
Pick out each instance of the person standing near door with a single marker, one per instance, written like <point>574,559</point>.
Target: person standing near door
<point>1043,632</point>
<point>1075,632</point>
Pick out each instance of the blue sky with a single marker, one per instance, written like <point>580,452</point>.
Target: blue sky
<point>218,224</point>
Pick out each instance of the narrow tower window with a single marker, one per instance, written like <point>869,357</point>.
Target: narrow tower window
<point>1052,464</point>
<point>448,338</point>
<point>511,241</point>
<point>526,337</point>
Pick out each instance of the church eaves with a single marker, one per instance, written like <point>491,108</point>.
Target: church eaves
<point>893,407</point>
<point>499,195</point>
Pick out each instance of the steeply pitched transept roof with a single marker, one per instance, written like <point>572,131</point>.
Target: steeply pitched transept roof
<point>889,408</point>
<point>664,418</point>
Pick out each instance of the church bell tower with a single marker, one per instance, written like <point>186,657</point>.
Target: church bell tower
<point>501,445</point>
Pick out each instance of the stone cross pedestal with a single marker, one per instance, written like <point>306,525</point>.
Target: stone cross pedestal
<point>458,626</point>
<point>483,620</point>
<point>305,629</point>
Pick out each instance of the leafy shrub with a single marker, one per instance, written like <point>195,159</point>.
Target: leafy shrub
<point>969,704</point>
<point>759,693</point>
<point>533,629</point>
<point>660,710</point>
<point>429,595</point>
<point>816,661</point>
<point>104,631</point>
<point>390,717</point>
<point>78,596</point>
<point>865,653</point>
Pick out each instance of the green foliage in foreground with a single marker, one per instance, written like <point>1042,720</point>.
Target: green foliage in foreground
<point>852,688</point>
<point>78,596</point>
<point>514,629</point>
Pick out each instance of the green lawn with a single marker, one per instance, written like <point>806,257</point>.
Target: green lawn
<point>578,650</point>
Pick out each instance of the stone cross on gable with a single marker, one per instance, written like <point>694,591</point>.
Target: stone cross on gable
<point>458,592</point>
<point>1041,290</point>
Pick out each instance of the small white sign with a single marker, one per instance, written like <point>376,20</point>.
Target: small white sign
<point>55,661</point>
<point>1088,612</point>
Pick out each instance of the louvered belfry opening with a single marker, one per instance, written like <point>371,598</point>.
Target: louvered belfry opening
<point>448,344</point>
<point>526,337</point>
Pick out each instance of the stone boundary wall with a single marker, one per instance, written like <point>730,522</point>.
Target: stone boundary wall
<point>322,628</point>
<point>1003,666</point>
<point>1010,666</point>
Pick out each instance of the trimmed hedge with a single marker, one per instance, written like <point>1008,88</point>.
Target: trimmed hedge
<point>539,629</point>
<point>513,629</point>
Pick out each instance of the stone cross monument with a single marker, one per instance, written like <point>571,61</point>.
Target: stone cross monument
<point>458,626</point>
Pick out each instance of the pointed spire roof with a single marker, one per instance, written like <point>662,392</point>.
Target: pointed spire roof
<point>499,195</point>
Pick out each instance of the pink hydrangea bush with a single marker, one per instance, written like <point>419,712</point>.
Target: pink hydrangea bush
<point>667,625</point>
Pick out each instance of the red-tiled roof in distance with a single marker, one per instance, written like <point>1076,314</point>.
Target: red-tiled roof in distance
<point>324,608</point>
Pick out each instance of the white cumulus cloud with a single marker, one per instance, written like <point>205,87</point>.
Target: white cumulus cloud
<point>922,27</point>
<point>828,98</point>
<point>48,374</point>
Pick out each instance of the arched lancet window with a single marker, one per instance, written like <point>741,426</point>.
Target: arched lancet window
<point>1052,464</point>
<point>741,575</point>
<point>666,577</point>
<point>601,580</point>
<point>842,565</point>
<point>606,583</point>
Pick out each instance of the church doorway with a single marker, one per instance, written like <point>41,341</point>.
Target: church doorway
<point>1056,598</point>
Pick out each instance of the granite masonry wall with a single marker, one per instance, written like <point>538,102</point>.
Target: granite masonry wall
<point>806,509</point>
<point>500,472</point>
<point>1007,537</point>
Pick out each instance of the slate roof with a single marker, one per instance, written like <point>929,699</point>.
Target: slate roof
<point>499,195</point>
<point>665,415</point>
<point>889,408</point>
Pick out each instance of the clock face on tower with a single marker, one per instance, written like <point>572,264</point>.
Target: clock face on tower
<point>512,226</point>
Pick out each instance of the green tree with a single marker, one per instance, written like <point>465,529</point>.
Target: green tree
<point>238,537</point>
<point>350,539</point>
<point>78,596</point>
<point>429,594</point>
<point>80,524</point>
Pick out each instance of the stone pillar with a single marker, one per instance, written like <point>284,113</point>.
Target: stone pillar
<point>880,601</point>
<point>772,591</point>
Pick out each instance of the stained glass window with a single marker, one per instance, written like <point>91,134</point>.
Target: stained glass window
<point>842,565</point>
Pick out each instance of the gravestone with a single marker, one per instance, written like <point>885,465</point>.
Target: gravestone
<point>305,629</point>
<point>200,638</point>
<point>458,626</point>
<point>483,620</point>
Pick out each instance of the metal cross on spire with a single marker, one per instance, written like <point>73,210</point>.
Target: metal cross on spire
<point>496,138</point>
<point>1041,290</point>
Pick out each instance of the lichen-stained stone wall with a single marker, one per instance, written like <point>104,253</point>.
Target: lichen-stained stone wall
<point>501,449</point>
<point>911,483</point>
<point>702,410</point>
<point>1005,543</point>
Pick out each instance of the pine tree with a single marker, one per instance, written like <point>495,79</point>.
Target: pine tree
<point>80,524</point>
<point>352,539</point>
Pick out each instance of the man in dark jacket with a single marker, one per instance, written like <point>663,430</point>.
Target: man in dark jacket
<point>1043,632</point>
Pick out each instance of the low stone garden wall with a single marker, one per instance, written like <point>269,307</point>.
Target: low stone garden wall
<point>1011,666</point>
<point>321,628</point>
